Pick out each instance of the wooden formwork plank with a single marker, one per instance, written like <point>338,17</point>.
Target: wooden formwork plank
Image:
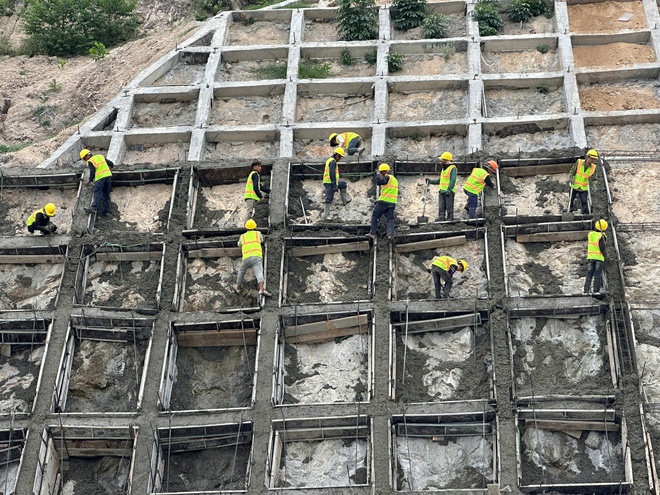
<point>448,323</point>
<point>580,235</point>
<point>321,326</point>
<point>330,248</point>
<point>559,425</point>
<point>132,256</point>
<point>31,258</point>
<point>325,336</point>
<point>215,252</point>
<point>431,244</point>
<point>213,338</point>
<point>555,168</point>
<point>50,470</point>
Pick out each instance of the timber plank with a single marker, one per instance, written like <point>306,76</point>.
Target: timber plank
<point>319,326</point>
<point>215,252</point>
<point>527,171</point>
<point>561,425</point>
<point>133,256</point>
<point>431,244</point>
<point>579,235</point>
<point>438,324</point>
<point>31,258</point>
<point>329,248</point>
<point>213,338</point>
<point>325,336</point>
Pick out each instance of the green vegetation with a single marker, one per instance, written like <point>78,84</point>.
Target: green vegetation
<point>98,51</point>
<point>295,5</point>
<point>371,56</point>
<point>435,26</point>
<point>448,51</point>
<point>6,148</point>
<point>538,7</point>
<point>43,115</point>
<point>270,71</point>
<point>543,49</point>
<point>6,47</point>
<point>7,7</point>
<point>543,89</point>
<point>312,70</point>
<point>394,62</point>
<point>62,27</point>
<point>357,20</point>
<point>519,11</point>
<point>208,8</point>
<point>61,63</point>
<point>487,14</point>
<point>407,14</point>
<point>346,58</point>
<point>54,86</point>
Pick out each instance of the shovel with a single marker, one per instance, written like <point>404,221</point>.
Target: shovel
<point>424,218</point>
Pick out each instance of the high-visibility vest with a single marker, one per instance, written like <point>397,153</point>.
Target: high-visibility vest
<point>390,191</point>
<point>326,172</point>
<point>101,167</point>
<point>348,137</point>
<point>249,187</point>
<point>444,262</point>
<point>593,249</point>
<point>582,176</point>
<point>250,244</point>
<point>477,181</point>
<point>445,178</point>
<point>33,218</point>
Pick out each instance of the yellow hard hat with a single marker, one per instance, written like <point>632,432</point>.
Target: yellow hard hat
<point>250,224</point>
<point>333,135</point>
<point>84,153</point>
<point>592,153</point>
<point>464,263</point>
<point>50,209</point>
<point>447,156</point>
<point>339,151</point>
<point>601,225</point>
<point>384,167</point>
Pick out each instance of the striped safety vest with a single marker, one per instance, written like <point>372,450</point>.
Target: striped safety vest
<point>249,187</point>
<point>477,181</point>
<point>326,172</point>
<point>444,262</point>
<point>250,244</point>
<point>348,137</point>
<point>101,167</point>
<point>445,178</point>
<point>390,191</point>
<point>33,218</point>
<point>582,176</point>
<point>593,249</point>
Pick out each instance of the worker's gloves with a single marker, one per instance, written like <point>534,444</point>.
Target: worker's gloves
<point>52,228</point>
<point>429,270</point>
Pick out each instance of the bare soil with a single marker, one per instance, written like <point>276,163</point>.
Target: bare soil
<point>520,61</point>
<point>29,286</point>
<point>160,154</point>
<point>538,25</point>
<point>334,108</point>
<point>433,64</point>
<point>252,110</point>
<point>254,149</point>
<point>613,55</point>
<point>624,136</point>
<point>164,114</point>
<point>245,70</point>
<point>634,95</point>
<point>98,475</point>
<point>524,101</point>
<point>603,17</point>
<point>315,148</point>
<point>627,182</point>
<point>425,146</point>
<point>427,105</point>
<point>317,30</point>
<point>259,33</point>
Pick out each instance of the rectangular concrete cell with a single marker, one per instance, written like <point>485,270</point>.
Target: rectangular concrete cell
<point>612,51</point>
<point>206,277</point>
<point>426,100</point>
<point>216,203</point>
<point>80,459</point>
<point>103,365</point>
<point>453,12</point>
<point>641,134</point>
<point>431,58</point>
<point>530,136</point>
<point>186,68</point>
<point>24,344</point>
<point>632,200</point>
<point>240,144</point>
<point>320,453</point>
<point>646,324</point>
<point>425,140</point>
<point>314,143</point>
<point>411,263</point>
<point>440,356</point>
<point>640,249</point>
<point>324,359</point>
<point>198,353</point>
<point>320,25</point>
<point>446,453</point>
<point>12,444</point>
<point>335,62</point>
<point>541,24</point>
<point>259,104</point>
<point>520,56</point>
<point>245,65</point>
<point>120,277</point>
<point>622,90</point>
<point>326,270</point>
<point>336,102</point>
<point>170,145</point>
<point>201,459</point>
<point>606,17</point>
<point>651,424</point>
<point>259,28</point>
<point>513,98</point>
<point>164,110</point>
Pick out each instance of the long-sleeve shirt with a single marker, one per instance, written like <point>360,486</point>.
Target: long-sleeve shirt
<point>332,170</point>
<point>92,170</point>
<point>601,245</point>
<point>489,181</point>
<point>257,185</point>
<point>382,180</point>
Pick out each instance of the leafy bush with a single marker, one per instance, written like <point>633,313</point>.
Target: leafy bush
<point>270,71</point>
<point>543,89</point>
<point>313,70</point>
<point>98,51</point>
<point>59,27</point>
<point>346,58</point>
<point>7,7</point>
<point>208,8</point>
<point>519,11</point>
<point>488,17</point>
<point>407,14</point>
<point>448,50</point>
<point>6,47</point>
<point>435,26</point>
<point>7,148</point>
<point>371,57</point>
<point>543,49</point>
<point>538,7</point>
<point>357,20</point>
<point>394,62</point>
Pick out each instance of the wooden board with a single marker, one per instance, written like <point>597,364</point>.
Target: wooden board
<point>561,425</point>
<point>233,252</point>
<point>29,259</point>
<point>320,326</point>
<point>555,168</point>
<point>573,235</point>
<point>438,324</point>
<point>330,248</point>
<point>431,244</point>
<point>325,336</point>
<point>134,256</point>
<point>213,338</point>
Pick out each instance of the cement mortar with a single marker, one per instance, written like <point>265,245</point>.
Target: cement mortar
<point>425,147</point>
<point>141,208</point>
<point>125,284</point>
<point>264,150</point>
<point>433,64</point>
<point>18,380</point>
<point>223,207</point>
<point>29,286</point>
<point>182,74</point>
<point>524,101</point>
<point>251,32</point>
<point>641,277</point>
<point>158,154</point>
<point>632,200</point>
<point>528,138</point>
<point>163,114</point>
<point>97,475</point>
<point>246,110</point>
<point>19,204</point>
<point>624,137</point>
<point>210,285</point>
<point>541,194</point>
<point>333,108</point>
<point>410,204</point>
<point>493,62</point>
<point>427,105</point>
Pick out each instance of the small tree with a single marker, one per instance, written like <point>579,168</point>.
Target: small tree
<point>435,26</point>
<point>519,11</point>
<point>357,20</point>
<point>486,13</point>
<point>407,14</point>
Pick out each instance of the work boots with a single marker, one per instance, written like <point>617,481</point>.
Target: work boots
<point>326,211</point>
<point>345,198</point>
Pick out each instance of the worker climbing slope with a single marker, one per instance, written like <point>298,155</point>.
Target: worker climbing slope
<point>250,243</point>
<point>40,220</point>
<point>100,175</point>
<point>595,257</point>
<point>332,182</point>
<point>255,191</point>
<point>579,177</point>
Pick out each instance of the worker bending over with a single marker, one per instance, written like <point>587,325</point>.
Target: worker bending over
<point>40,220</point>
<point>595,257</point>
<point>389,193</point>
<point>447,187</point>
<point>253,190</point>
<point>101,176</point>
<point>349,141</point>
<point>332,184</point>
<point>442,270</point>
<point>253,257</point>
<point>579,177</point>
<point>479,178</point>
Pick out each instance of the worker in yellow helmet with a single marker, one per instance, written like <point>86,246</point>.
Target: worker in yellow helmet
<point>443,269</point>
<point>255,191</point>
<point>475,184</point>
<point>40,220</point>
<point>100,176</point>
<point>389,193</point>
<point>579,177</point>
<point>331,182</point>
<point>447,187</point>
<point>253,257</point>
<point>595,256</point>
<point>349,141</point>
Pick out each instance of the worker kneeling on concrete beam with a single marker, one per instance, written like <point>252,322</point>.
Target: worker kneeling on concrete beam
<point>253,257</point>
<point>447,187</point>
<point>443,269</point>
<point>475,184</point>
<point>40,220</point>
<point>595,256</point>
<point>349,141</point>
<point>332,184</point>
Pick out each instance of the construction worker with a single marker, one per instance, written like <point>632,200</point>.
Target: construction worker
<point>253,257</point>
<point>40,220</point>
<point>479,178</point>
<point>447,187</point>
<point>579,177</point>
<point>595,256</point>
<point>349,141</point>
<point>389,192</point>
<point>442,270</point>
<point>332,183</point>
<point>101,176</point>
<point>253,190</point>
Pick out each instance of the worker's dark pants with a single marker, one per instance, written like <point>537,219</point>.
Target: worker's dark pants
<point>446,206</point>
<point>473,199</point>
<point>353,145</point>
<point>330,191</point>
<point>47,229</point>
<point>438,275</point>
<point>102,188</point>
<point>584,200</point>
<point>595,270</point>
<point>383,208</point>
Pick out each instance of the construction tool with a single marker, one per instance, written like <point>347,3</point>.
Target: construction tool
<point>424,218</point>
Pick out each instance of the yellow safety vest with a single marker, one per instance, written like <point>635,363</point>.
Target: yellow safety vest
<point>348,137</point>
<point>582,176</point>
<point>593,249</point>
<point>444,262</point>
<point>390,191</point>
<point>101,167</point>
<point>326,172</point>
<point>33,218</point>
<point>445,177</point>
<point>250,245</point>
<point>477,181</point>
<point>249,187</point>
